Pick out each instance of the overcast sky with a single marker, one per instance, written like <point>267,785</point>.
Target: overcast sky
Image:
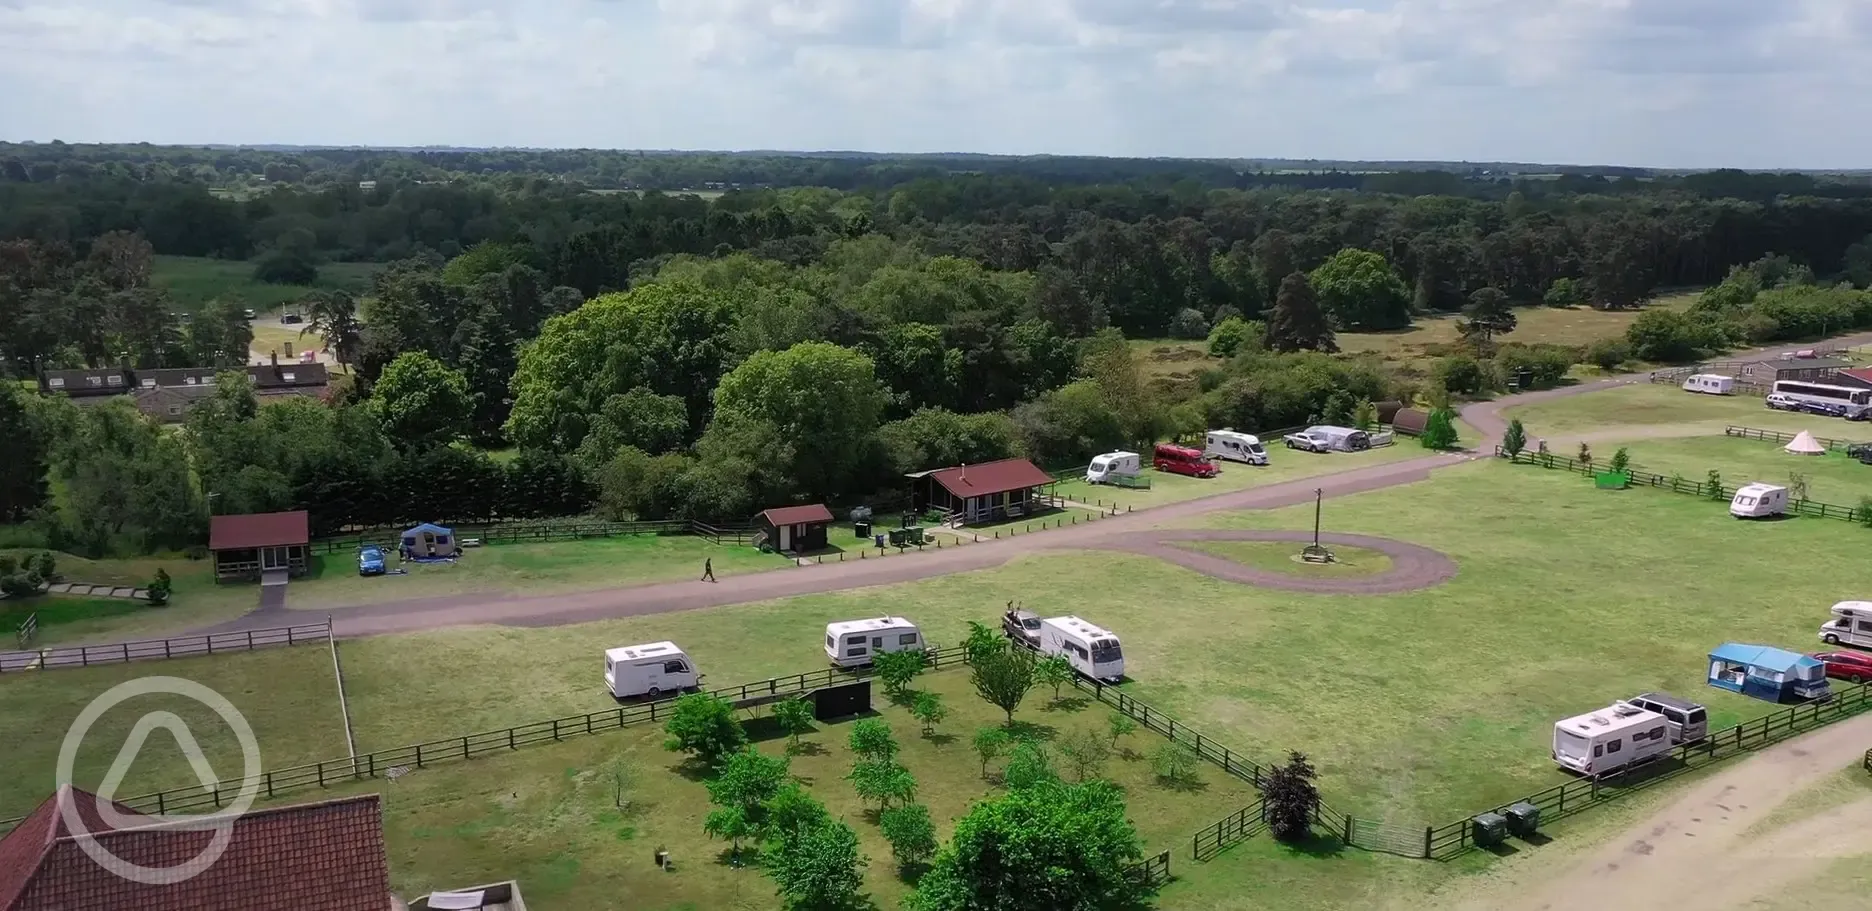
<point>1683,83</point>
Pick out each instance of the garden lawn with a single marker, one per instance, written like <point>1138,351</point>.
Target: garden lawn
<point>1831,478</point>
<point>192,281</point>
<point>548,815</point>
<point>195,601</point>
<point>288,695</point>
<point>1656,409</point>
<point>1284,465</point>
<point>527,569</point>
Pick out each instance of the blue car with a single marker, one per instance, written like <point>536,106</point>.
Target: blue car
<point>370,562</point>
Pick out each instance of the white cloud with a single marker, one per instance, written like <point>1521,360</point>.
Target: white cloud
<point>1662,82</point>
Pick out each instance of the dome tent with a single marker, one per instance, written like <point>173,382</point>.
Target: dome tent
<point>1805,444</point>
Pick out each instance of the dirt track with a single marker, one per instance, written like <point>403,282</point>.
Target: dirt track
<point>1412,566</point>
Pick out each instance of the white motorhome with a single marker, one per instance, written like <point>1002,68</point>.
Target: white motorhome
<point>1090,650</point>
<point>1613,738</point>
<point>1105,469</point>
<point>853,643</point>
<point>649,670</point>
<point>1758,500</point>
<point>1851,625</point>
<point>1343,439</point>
<point>1710,384</point>
<point>1234,446</point>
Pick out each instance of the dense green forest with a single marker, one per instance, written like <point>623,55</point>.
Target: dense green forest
<point>654,354</point>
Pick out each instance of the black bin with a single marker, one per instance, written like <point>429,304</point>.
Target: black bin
<point>1523,819</point>
<point>861,529</point>
<point>1488,829</point>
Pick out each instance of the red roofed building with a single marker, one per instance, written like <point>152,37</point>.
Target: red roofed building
<point>988,492</point>
<point>1859,377</point>
<point>325,856</point>
<point>259,545</point>
<point>795,529</point>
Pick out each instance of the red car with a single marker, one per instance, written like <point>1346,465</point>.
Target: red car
<point>1855,667</point>
<point>1182,460</point>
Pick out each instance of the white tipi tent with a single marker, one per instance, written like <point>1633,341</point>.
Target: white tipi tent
<point>1805,444</point>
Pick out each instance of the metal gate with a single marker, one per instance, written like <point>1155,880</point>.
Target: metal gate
<point>1390,838</point>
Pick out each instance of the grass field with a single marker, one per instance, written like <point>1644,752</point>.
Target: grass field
<point>1642,407</point>
<point>1831,478</point>
<point>195,601</point>
<point>1283,557</point>
<point>288,695</point>
<point>548,815</point>
<point>192,281</point>
<point>1283,465</point>
<point>528,569</point>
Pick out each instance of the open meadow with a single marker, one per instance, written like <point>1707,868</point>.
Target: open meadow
<point>194,280</point>
<point>1658,409</point>
<point>1831,477</point>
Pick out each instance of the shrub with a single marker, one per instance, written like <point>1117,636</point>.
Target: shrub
<point>1232,336</point>
<point>47,566</point>
<point>989,744</point>
<point>1365,416</point>
<point>1712,485</point>
<point>1174,764</point>
<point>1863,515</point>
<point>19,585</point>
<point>795,717</point>
<point>1514,439</point>
<point>1459,373</point>
<point>8,565</point>
<point>1439,430</point>
<point>1621,461</point>
<point>1086,751</point>
<point>897,669</point>
<point>158,590</point>
<point>872,739</point>
<point>704,727</point>
<point>1189,324</point>
<point>1564,292</point>
<point>1291,799</point>
<point>911,835</point>
<point>1546,365</point>
<point>1608,353</point>
<point>1028,766</point>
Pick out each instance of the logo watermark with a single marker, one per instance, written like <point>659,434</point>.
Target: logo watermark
<point>220,822</point>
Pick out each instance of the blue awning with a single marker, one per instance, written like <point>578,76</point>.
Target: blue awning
<point>1766,657</point>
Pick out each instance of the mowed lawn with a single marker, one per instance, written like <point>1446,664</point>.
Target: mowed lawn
<point>1831,477</point>
<point>192,281</point>
<point>288,695</point>
<point>549,815</point>
<point>1283,465</point>
<point>1284,557</point>
<point>528,569</point>
<point>195,601</point>
<point>1656,408</point>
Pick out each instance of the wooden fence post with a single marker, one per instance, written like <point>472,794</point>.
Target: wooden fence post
<point>1428,833</point>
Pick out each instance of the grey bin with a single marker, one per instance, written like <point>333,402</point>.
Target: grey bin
<point>861,529</point>
<point>1488,829</point>
<point>1523,819</point>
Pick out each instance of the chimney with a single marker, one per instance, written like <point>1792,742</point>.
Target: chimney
<point>965,472</point>
<point>276,359</point>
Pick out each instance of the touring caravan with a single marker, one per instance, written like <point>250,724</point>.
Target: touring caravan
<point>1613,738</point>
<point>853,643</point>
<point>1758,500</point>
<point>1852,625</point>
<point>1709,384</point>
<point>1236,447</point>
<point>1107,468</point>
<point>1090,650</point>
<point>649,670</point>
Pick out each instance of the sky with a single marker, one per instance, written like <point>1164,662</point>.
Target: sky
<point>1657,83</point>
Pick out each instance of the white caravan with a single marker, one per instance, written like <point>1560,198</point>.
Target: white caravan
<point>1234,446</point>
<point>1710,384</point>
<point>1852,625</point>
<point>649,670</point>
<point>1105,469</point>
<point>1758,500</point>
<point>1613,738</point>
<point>853,643</point>
<point>1090,650</point>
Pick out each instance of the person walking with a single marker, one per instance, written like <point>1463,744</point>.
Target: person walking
<point>708,570</point>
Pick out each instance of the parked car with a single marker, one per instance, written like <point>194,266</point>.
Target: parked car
<point>1824,409</point>
<point>1021,626</point>
<point>247,314</point>
<point>1309,440</point>
<point>1854,667</point>
<point>370,562</point>
<point>1781,402</point>
<point>291,318</point>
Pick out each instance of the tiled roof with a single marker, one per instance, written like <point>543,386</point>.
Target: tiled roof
<point>27,846</point>
<point>991,477</point>
<point>797,515</point>
<point>311,857</point>
<point>266,529</point>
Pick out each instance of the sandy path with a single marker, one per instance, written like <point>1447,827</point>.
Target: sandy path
<point>1695,853</point>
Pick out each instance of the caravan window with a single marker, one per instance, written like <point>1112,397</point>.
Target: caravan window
<point>1106,650</point>
<point>831,642</point>
<point>1571,745</point>
<point>1075,649</point>
<point>674,667</point>
<point>1657,733</point>
<point>1598,749</point>
<point>1614,746</point>
<point>855,640</point>
<point>907,639</point>
<point>856,651</point>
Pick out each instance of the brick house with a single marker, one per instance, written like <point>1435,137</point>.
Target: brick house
<point>168,393</point>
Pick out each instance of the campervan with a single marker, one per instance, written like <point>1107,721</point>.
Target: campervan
<point>1090,650</point>
<point>649,670</point>
<point>853,643</point>
<point>1710,383</point>
<point>1107,468</point>
<point>1689,721</point>
<point>1758,500</point>
<point>1173,459</point>
<point>1343,439</point>
<point>1613,738</point>
<point>1852,625</point>
<point>1236,447</point>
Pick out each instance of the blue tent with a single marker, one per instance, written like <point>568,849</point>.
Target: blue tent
<point>1766,672</point>
<point>427,541</point>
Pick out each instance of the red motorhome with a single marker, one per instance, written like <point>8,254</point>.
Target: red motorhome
<point>1182,460</point>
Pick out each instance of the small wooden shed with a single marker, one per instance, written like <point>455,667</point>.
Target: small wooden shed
<point>797,529</point>
<point>271,544</point>
<point>1409,421</point>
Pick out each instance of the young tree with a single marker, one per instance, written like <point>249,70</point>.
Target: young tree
<point>1621,461</point>
<point>1338,409</point>
<point>989,744</point>
<point>705,727</point>
<point>1054,671</point>
<point>872,739</point>
<point>1489,315</point>
<point>1028,765</point>
<point>983,642</point>
<point>1297,323</point>
<point>1291,798</point>
<point>1514,439</point>
<point>911,835</point>
<point>1050,846</point>
<point>1004,679</point>
<point>882,780</point>
<point>1174,764</point>
<point>1712,485</point>
<point>730,824</point>
<point>1797,484</point>
<point>928,709</point>
<point>1439,430</point>
<point>817,868</point>
<point>1120,726</point>
<point>740,791</point>
<point>1585,454</point>
<point>1086,751</point>
<point>795,717</point>
<point>897,669</point>
<point>1365,416</point>
<point>623,778</point>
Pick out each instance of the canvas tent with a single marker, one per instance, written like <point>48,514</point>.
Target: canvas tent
<point>1805,444</point>
<point>425,542</point>
<point>1765,672</point>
